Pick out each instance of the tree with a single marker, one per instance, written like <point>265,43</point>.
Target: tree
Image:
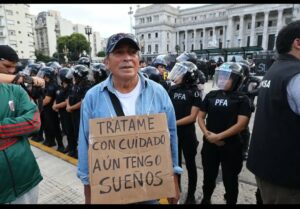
<point>62,43</point>
<point>177,49</point>
<point>76,44</point>
<point>101,54</point>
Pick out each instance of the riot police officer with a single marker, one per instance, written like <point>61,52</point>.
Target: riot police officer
<point>227,112</point>
<point>56,66</point>
<point>99,72</point>
<point>60,106</point>
<point>32,69</point>
<point>153,74</point>
<point>84,61</point>
<point>186,99</point>
<point>192,57</point>
<point>37,95</point>
<point>219,62</point>
<point>48,115</point>
<point>250,87</point>
<point>80,87</point>
<point>161,64</point>
<point>202,65</point>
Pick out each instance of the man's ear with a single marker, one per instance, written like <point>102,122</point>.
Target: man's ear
<point>105,61</point>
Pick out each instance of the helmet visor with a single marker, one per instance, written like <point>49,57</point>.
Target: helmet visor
<point>27,70</point>
<point>178,71</point>
<point>221,79</point>
<point>182,57</point>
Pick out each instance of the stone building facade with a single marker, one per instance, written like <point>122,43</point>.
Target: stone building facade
<point>163,29</point>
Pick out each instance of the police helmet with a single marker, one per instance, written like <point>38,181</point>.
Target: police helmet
<point>46,72</point>
<point>98,67</point>
<point>80,71</point>
<point>187,56</point>
<point>84,61</point>
<point>41,62</point>
<point>63,75</point>
<point>99,72</point>
<point>227,71</point>
<point>246,67</point>
<point>32,69</point>
<point>54,65</point>
<point>159,60</point>
<point>186,70</point>
<point>151,73</point>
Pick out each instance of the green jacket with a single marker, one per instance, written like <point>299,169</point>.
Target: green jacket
<point>19,117</point>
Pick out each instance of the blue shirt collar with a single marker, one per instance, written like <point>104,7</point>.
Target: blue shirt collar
<point>108,84</point>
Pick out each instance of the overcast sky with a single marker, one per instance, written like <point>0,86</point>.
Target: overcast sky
<point>107,19</point>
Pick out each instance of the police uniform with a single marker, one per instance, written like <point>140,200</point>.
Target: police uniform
<point>76,95</point>
<point>66,119</point>
<point>222,110</point>
<point>184,97</point>
<point>37,94</point>
<point>245,134</point>
<point>164,83</point>
<point>50,118</point>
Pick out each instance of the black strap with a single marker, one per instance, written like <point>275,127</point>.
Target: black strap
<point>116,103</point>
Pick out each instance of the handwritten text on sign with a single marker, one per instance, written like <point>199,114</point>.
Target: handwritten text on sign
<point>130,159</point>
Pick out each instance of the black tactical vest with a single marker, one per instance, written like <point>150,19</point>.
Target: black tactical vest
<point>274,153</point>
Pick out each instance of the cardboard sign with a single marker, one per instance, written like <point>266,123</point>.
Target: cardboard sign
<point>130,159</point>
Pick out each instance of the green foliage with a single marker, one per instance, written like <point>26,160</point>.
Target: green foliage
<point>41,57</point>
<point>75,43</point>
<point>101,54</point>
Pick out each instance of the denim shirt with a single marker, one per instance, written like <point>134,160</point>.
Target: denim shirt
<point>97,104</point>
<point>293,93</point>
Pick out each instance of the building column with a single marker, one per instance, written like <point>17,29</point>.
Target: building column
<point>194,39</point>
<point>229,32</point>
<point>223,38</point>
<point>252,34</point>
<point>279,20</point>
<point>177,39</point>
<point>173,43</point>
<point>241,30</point>
<point>204,39</point>
<point>279,25</point>
<point>265,32</point>
<point>186,38</point>
<point>214,37</point>
<point>162,47</point>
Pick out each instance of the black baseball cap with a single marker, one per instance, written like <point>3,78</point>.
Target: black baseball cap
<point>118,38</point>
<point>8,53</point>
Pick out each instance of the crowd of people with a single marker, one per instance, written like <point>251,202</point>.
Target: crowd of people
<point>66,98</point>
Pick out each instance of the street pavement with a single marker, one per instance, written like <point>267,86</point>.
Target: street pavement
<point>61,185</point>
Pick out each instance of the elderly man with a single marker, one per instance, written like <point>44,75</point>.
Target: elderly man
<point>137,96</point>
